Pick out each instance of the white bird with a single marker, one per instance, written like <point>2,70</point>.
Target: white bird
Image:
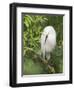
<point>48,41</point>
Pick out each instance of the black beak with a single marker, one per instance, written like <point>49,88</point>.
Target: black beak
<point>46,38</point>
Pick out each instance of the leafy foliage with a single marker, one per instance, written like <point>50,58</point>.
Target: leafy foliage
<point>33,26</point>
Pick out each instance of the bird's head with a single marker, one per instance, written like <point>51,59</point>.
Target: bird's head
<point>48,30</point>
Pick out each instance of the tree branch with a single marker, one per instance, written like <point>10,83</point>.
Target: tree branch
<point>50,68</point>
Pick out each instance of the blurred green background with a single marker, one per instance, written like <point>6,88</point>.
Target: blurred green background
<point>33,26</point>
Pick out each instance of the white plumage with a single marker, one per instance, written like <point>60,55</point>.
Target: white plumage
<point>48,41</point>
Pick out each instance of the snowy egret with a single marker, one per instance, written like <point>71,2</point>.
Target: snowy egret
<point>48,41</point>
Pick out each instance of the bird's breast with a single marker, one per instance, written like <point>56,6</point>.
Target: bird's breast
<point>50,43</point>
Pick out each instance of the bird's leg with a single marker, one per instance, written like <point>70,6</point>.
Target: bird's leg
<point>45,57</point>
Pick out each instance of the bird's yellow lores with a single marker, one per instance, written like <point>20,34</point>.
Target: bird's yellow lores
<point>48,41</point>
